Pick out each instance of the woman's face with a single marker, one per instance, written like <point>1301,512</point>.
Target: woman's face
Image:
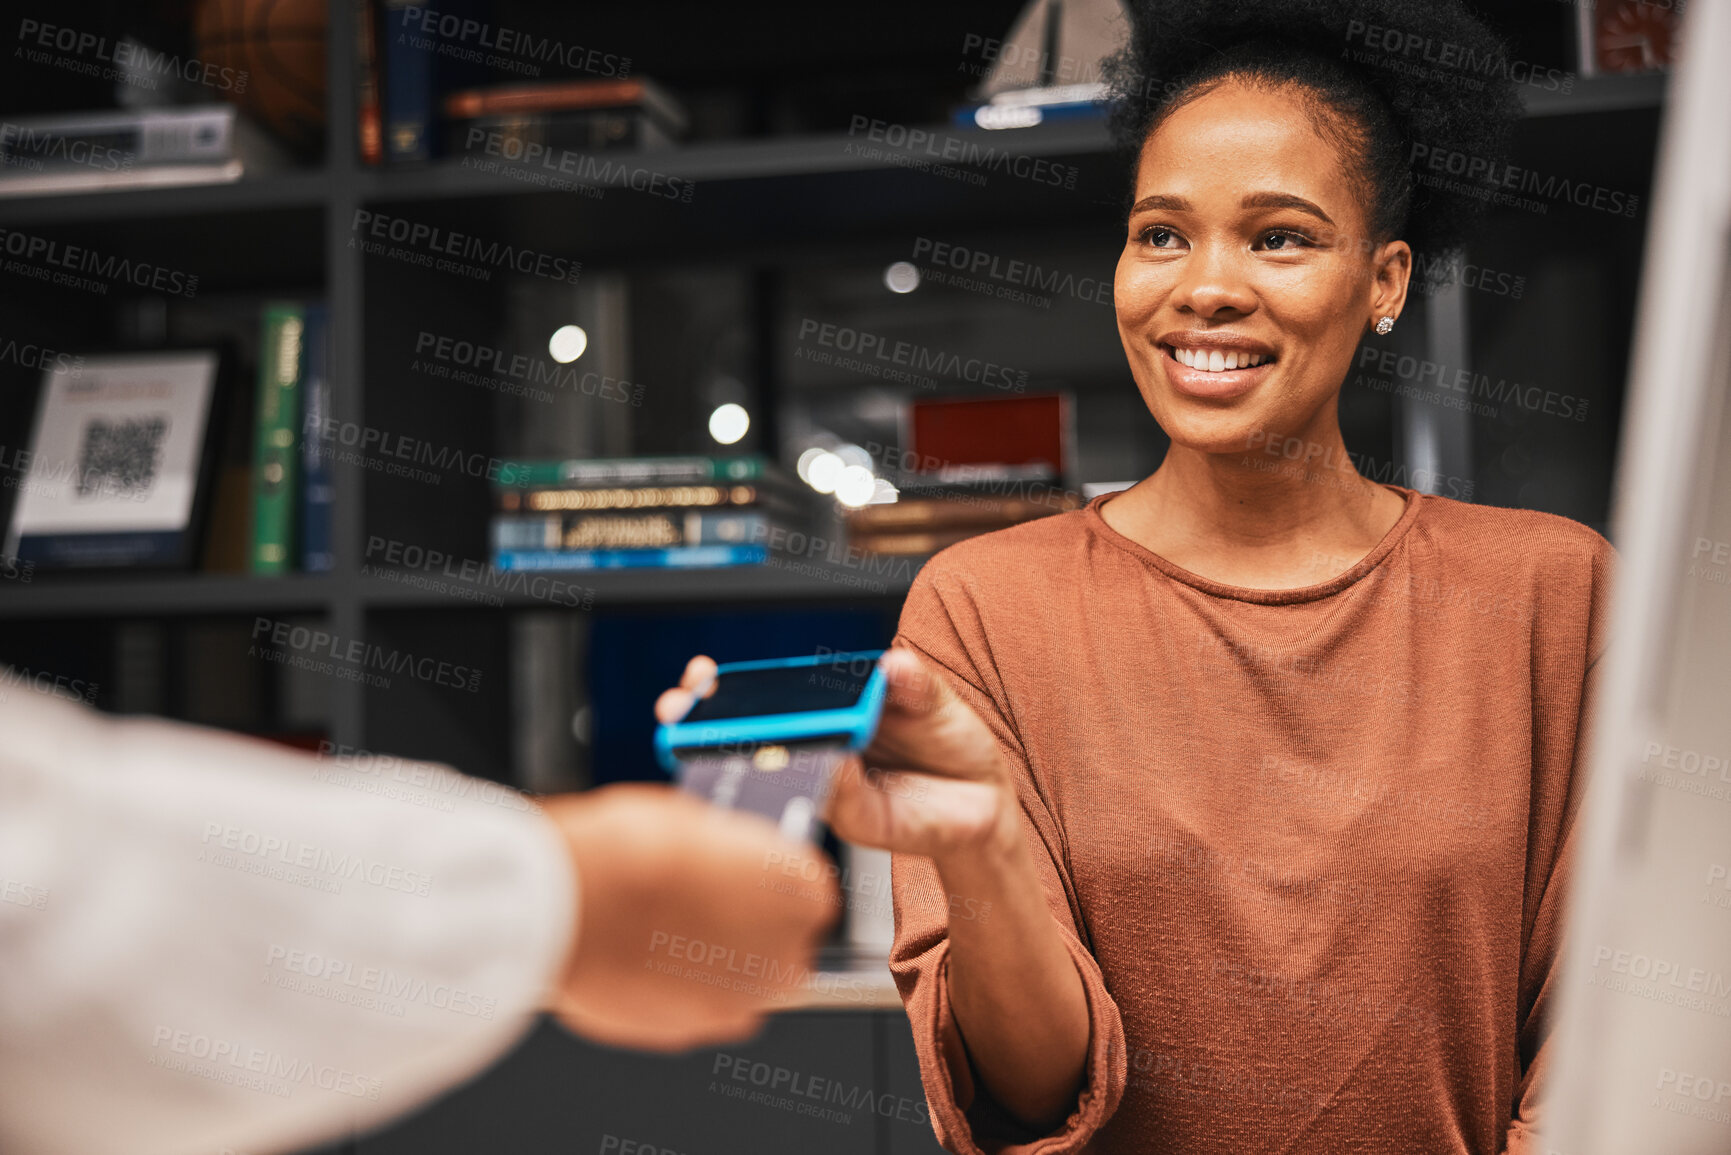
<point>1246,245</point>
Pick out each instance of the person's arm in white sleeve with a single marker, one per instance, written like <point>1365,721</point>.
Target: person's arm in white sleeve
<point>207,941</point>
<point>222,949</point>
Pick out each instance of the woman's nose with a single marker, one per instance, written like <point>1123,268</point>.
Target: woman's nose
<point>1213,280</point>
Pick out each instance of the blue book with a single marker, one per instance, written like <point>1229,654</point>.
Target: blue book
<point>317,494</point>
<point>408,53</point>
<point>997,116</point>
<point>674,557</point>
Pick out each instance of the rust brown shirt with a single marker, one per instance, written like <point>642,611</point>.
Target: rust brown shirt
<point>1308,846</point>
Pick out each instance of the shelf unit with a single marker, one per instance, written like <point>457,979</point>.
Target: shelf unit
<point>342,186</point>
<point>338,189</point>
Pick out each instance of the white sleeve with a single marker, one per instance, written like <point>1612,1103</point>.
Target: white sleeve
<point>208,941</point>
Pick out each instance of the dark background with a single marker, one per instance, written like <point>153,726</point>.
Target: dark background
<point>705,300</point>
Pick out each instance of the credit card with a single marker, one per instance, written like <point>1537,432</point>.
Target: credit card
<point>787,784</point>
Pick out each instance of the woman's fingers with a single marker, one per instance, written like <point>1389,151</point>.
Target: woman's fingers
<point>672,705</point>
<point>926,726</point>
<point>911,813</point>
<point>911,689</point>
<point>698,681</point>
<point>937,779</point>
<point>699,676</point>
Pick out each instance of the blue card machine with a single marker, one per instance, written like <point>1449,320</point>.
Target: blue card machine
<point>826,697</point>
<point>770,735</point>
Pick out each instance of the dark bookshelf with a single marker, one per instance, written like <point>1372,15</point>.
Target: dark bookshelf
<point>806,189</point>
<point>767,200</point>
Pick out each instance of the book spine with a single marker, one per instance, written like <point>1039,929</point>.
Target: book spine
<point>640,95</point>
<point>530,532</point>
<point>274,459</point>
<point>926,514</point>
<point>628,531</point>
<point>725,528</point>
<point>658,530</point>
<point>911,544</point>
<point>630,471</point>
<point>317,492</point>
<point>622,531</point>
<point>408,55</point>
<point>998,116</point>
<point>574,499</point>
<point>545,97</point>
<point>674,557</point>
<point>369,125</point>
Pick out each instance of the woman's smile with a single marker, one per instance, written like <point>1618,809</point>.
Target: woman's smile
<point>1215,366</point>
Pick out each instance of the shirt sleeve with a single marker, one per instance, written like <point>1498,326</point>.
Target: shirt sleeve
<point>212,942</point>
<point>965,1117</point>
<point>1560,769</point>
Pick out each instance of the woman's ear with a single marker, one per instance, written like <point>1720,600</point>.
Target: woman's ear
<point>1391,270</point>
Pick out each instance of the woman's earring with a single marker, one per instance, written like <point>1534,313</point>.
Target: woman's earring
<point>1384,324</point>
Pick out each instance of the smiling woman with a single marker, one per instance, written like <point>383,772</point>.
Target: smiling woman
<point>1251,239</point>
<point>1272,815</point>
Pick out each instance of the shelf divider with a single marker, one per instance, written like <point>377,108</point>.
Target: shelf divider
<point>344,298</point>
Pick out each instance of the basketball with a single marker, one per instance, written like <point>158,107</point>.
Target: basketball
<point>280,46</point>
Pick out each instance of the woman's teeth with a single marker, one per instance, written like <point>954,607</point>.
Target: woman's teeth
<point>1214,361</point>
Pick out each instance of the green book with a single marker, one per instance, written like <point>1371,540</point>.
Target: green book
<point>274,454</point>
<point>624,471</point>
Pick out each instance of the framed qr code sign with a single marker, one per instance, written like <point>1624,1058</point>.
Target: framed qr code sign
<point>116,458</point>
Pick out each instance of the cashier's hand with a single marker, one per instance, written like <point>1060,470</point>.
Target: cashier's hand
<point>933,781</point>
<point>688,935</point>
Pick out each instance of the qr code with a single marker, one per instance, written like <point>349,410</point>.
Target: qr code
<point>120,457</point>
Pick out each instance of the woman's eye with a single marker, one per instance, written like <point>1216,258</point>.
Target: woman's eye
<point>1158,237</point>
<point>1276,241</point>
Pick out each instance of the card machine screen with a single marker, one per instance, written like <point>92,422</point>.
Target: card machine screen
<point>771,734</point>
<point>782,690</point>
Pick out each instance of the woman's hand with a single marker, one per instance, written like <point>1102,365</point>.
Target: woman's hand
<point>935,781</point>
<point>936,784</point>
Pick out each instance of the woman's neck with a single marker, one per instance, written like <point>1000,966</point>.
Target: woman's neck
<point>1281,516</point>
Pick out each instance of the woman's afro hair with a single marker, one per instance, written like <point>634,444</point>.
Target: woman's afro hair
<point>1388,79</point>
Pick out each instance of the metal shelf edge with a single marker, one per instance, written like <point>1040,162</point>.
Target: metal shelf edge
<point>784,578</point>
<point>133,593</point>
<point>283,190</point>
<point>743,160</point>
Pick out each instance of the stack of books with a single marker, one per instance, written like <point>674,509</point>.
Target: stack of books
<point>132,148</point>
<point>579,115</point>
<point>644,512</point>
<point>424,90</point>
<point>972,465</point>
<point>931,516</point>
